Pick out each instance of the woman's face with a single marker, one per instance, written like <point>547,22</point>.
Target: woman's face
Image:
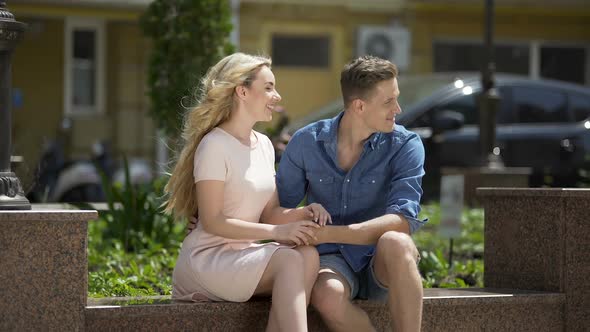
<point>262,95</point>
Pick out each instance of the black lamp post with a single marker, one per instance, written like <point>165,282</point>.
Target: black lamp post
<point>11,32</point>
<point>489,98</point>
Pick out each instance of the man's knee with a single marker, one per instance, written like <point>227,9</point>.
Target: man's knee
<point>397,244</point>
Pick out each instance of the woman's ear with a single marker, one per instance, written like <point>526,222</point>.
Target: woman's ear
<point>241,91</point>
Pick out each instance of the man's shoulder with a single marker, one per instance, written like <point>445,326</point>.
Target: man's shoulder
<point>313,131</point>
<point>400,135</point>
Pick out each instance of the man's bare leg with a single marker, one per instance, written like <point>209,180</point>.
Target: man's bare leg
<point>331,298</point>
<point>395,267</point>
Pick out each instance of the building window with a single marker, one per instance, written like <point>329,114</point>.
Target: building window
<point>569,63</point>
<point>301,51</point>
<point>457,56</point>
<point>84,66</point>
<point>564,63</point>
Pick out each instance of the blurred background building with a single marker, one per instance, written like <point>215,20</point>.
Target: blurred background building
<point>87,59</point>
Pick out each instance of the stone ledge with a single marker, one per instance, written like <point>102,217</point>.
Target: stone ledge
<point>444,309</point>
<point>48,215</point>
<point>534,192</point>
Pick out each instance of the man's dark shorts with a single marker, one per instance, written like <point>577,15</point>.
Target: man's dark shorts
<point>363,284</point>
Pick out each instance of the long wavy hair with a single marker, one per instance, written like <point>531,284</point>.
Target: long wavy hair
<point>215,102</point>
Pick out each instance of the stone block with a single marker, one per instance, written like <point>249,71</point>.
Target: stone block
<point>538,239</point>
<point>43,270</point>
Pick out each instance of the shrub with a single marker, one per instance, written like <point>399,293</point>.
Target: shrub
<point>188,37</point>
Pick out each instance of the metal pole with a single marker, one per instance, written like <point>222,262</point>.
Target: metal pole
<point>489,99</point>
<point>11,32</point>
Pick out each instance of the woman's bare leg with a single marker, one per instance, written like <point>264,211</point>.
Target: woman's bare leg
<point>289,277</point>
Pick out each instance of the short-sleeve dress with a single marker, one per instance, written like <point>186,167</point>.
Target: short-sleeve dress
<point>210,267</point>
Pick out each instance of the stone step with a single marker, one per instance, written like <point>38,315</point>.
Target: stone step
<point>465,309</point>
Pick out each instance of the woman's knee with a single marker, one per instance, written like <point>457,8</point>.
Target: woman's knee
<point>310,256</point>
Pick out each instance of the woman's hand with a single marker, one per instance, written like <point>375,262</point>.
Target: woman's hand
<point>298,233</point>
<point>319,214</point>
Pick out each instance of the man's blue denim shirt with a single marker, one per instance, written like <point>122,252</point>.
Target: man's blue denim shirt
<point>386,179</point>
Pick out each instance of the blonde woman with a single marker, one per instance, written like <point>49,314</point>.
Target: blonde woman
<point>225,175</point>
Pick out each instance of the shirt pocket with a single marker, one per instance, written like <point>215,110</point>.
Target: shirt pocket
<point>372,189</point>
<point>322,189</point>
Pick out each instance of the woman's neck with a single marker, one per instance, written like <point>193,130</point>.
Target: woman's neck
<point>241,129</point>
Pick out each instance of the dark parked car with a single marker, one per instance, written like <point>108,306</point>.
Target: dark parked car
<point>541,124</point>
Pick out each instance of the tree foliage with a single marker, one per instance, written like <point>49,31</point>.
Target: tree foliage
<point>188,36</point>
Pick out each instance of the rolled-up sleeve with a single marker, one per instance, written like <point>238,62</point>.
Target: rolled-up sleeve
<point>291,180</point>
<point>406,183</point>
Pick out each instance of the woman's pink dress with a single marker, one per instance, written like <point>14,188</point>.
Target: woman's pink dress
<point>211,267</point>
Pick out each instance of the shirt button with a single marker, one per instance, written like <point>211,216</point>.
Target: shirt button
<point>341,247</point>
<point>373,181</point>
<point>345,206</point>
<point>347,180</point>
<point>320,180</point>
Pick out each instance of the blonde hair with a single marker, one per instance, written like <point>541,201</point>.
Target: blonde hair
<point>214,105</point>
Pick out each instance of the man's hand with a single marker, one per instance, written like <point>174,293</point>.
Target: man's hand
<point>192,224</point>
<point>298,233</point>
<point>319,214</point>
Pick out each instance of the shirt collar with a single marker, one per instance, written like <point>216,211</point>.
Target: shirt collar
<point>329,133</point>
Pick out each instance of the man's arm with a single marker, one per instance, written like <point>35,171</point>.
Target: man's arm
<point>367,232</point>
<point>403,202</point>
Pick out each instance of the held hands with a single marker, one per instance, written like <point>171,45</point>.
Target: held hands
<point>319,214</point>
<point>298,233</point>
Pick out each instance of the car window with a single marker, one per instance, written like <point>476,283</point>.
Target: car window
<point>580,106</point>
<point>468,106</point>
<point>465,105</point>
<point>539,105</point>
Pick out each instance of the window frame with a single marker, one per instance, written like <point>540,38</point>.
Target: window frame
<point>534,46</point>
<point>98,27</point>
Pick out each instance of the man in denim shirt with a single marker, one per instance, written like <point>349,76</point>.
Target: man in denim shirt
<point>367,172</point>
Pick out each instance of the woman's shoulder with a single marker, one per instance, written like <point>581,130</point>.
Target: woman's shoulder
<point>263,139</point>
<point>213,140</point>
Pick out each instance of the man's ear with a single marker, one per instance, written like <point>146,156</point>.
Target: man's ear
<point>358,106</point>
<point>241,91</point>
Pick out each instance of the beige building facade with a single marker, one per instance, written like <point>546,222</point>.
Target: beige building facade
<point>101,87</point>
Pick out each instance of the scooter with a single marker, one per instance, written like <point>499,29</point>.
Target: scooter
<point>78,181</point>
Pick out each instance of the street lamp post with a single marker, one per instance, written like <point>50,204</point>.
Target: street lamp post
<point>489,98</point>
<point>11,193</point>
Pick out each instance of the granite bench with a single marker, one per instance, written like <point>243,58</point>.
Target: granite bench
<point>466,309</point>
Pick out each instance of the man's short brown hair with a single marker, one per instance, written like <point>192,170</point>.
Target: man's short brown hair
<point>362,74</point>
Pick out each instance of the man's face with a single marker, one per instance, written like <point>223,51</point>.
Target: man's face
<point>381,107</point>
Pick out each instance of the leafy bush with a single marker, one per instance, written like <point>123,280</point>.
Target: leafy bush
<point>134,216</point>
<point>466,269</point>
<point>115,272</point>
<point>132,247</point>
<point>189,36</point>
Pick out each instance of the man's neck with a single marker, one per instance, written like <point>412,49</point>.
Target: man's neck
<point>352,134</point>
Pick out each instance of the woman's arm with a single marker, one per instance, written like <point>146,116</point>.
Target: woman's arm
<point>277,215</point>
<point>274,214</point>
<point>210,205</point>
